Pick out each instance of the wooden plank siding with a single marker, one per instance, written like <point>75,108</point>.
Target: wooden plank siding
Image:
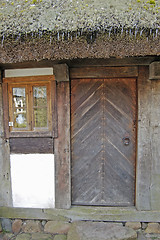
<point>103,113</point>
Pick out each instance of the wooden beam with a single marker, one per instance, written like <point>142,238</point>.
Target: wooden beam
<point>126,61</point>
<point>144,159</point>
<point>5,178</point>
<point>103,72</point>
<point>62,148</point>
<point>155,143</point>
<point>31,145</point>
<point>154,71</point>
<point>113,214</point>
<point>61,72</point>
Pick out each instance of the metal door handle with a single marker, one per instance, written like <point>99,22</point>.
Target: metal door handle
<point>126,141</point>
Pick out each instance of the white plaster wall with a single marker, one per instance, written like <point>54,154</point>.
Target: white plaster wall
<point>28,72</point>
<point>33,180</point>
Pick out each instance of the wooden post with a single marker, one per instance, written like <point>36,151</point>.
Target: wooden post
<point>62,143</point>
<point>154,71</point>
<point>144,156</point>
<point>155,142</point>
<point>5,178</point>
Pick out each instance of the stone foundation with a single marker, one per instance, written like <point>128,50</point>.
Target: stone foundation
<point>19,229</point>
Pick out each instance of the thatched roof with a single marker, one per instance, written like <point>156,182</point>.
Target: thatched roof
<point>25,16</point>
<point>34,30</point>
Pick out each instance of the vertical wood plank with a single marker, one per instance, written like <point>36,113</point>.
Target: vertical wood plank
<point>155,142</point>
<point>103,167</point>
<point>54,108</point>
<point>6,110</point>
<point>5,178</point>
<point>143,194</point>
<point>62,148</point>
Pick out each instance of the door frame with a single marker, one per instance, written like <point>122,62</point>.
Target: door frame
<point>62,144</point>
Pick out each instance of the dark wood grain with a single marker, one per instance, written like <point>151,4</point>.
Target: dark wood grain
<point>31,145</point>
<point>103,112</point>
<point>5,109</point>
<point>62,148</point>
<point>54,118</point>
<point>103,72</point>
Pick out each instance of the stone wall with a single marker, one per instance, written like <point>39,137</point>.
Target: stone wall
<point>19,229</point>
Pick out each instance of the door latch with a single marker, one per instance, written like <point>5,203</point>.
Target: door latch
<point>126,141</point>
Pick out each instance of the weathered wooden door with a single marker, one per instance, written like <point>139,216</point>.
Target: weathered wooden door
<point>103,141</point>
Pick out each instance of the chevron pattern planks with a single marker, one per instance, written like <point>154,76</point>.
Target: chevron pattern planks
<point>103,114</point>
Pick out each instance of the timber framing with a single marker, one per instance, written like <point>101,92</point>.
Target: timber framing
<point>112,214</point>
<point>147,205</point>
<point>103,72</point>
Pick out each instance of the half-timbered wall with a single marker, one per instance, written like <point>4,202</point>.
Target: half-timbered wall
<point>30,163</point>
<point>148,131</point>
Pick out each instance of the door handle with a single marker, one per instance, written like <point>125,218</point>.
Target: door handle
<point>126,141</point>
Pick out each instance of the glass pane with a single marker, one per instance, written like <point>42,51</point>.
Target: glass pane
<point>19,97</point>
<point>40,96</point>
<point>20,120</point>
<point>40,117</point>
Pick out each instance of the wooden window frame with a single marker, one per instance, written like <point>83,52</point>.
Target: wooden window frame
<point>29,82</point>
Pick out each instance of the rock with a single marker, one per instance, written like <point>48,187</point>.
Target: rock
<point>133,225</point>
<point>23,236</point>
<point>6,224</point>
<point>7,236</point>
<point>57,227</point>
<point>144,225</point>
<point>60,237</point>
<point>41,236</point>
<point>100,231</point>
<point>151,236</point>
<point>16,226</point>
<point>31,226</point>
<point>153,228</point>
<point>141,236</point>
<point>43,222</point>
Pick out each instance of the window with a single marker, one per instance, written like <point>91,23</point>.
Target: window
<point>29,106</point>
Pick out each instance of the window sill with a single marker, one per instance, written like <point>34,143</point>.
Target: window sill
<point>31,134</point>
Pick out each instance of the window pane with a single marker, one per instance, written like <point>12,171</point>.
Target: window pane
<point>19,110</point>
<point>40,96</point>
<point>40,117</point>
<point>20,120</point>
<point>19,97</point>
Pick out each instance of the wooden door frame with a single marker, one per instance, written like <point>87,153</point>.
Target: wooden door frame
<point>62,143</point>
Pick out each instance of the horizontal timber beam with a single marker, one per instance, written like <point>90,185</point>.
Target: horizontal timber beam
<point>103,72</point>
<point>112,214</point>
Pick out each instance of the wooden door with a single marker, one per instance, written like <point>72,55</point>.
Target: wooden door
<point>103,141</point>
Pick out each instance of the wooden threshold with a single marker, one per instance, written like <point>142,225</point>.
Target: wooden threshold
<point>111,214</point>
